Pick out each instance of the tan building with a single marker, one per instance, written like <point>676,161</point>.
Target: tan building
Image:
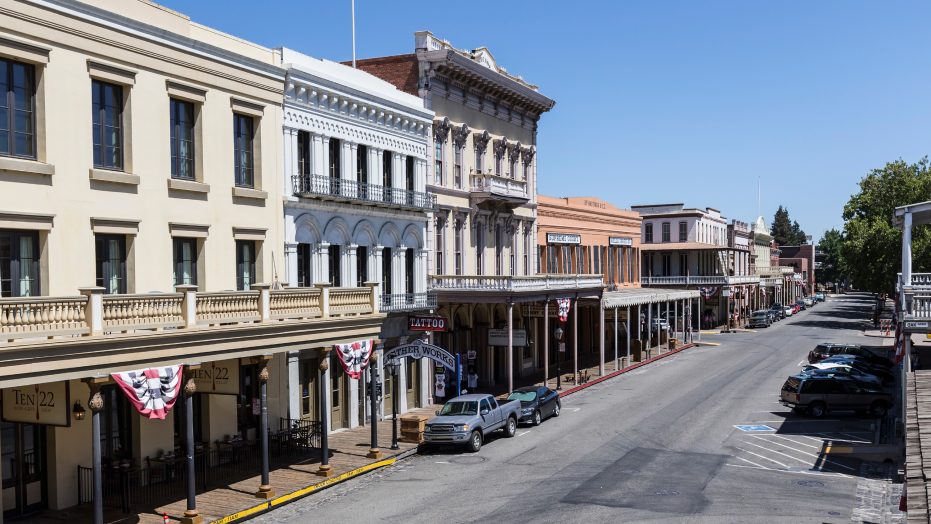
<point>140,214</point>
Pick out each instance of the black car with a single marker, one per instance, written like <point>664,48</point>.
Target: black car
<point>817,395</point>
<point>823,351</point>
<point>536,403</point>
<point>780,311</point>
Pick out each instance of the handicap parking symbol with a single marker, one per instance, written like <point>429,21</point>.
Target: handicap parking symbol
<point>750,428</point>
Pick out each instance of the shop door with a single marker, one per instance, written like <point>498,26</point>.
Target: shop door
<point>387,393</point>
<point>23,463</point>
<point>413,383</point>
<point>307,376</point>
<point>248,407</point>
<point>363,401</point>
<point>339,415</point>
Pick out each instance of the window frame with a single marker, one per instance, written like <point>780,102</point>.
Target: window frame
<point>98,110</point>
<point>14,273</point>
<point>100,244</point>
<point>683,231</point>
<point>175,124</point>
<point>648,233</point>
<point>240,260</point>
<point>666,229</point>
<point>32,74</point>
<point>438,162</point>
<point>243,176</point>
<point>177,251</point>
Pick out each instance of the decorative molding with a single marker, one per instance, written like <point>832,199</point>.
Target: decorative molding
<point>461,134</point>
<point>441,129</point>
<point>188,230</point>
<point>185,92</point>
<point>328,125</point>
<point>31,221</point>
<point>249,233</point>
<point>500,145</point>
<point>481,139</point>
<point>528,154</point>
<point>116,226</point>
<point>111,73</point>
<point>24,166</point>
<point>22,50</point>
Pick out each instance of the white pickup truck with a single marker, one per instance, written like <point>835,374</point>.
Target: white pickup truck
<point>467,419</point>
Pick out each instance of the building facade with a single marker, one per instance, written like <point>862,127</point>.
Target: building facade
<point>483,173</point>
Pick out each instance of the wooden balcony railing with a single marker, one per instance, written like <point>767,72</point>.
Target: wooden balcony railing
<point>96,314</point>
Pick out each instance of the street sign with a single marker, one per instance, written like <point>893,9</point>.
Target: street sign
<point>420,349</point>
<point>499,337</point>
<point>916,325</point>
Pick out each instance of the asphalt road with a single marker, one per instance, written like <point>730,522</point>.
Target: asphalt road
<point>658,444</point>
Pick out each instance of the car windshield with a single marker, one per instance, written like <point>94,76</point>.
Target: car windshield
<point>459,408</point>
<point>523,396</point>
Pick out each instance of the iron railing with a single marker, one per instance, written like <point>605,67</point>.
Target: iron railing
<point>407,301</point>
<point>353,191</point>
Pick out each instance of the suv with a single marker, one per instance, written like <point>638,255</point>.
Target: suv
<point>760,319</point>
<point>817,395</point>
<point>823,351</point>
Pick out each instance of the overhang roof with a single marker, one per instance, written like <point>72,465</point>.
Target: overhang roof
<point>682,246</point>
<point>638,296</point>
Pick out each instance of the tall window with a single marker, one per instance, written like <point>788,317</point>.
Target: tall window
<point>409,270</point>
<point>245,264</point>
<point>108,125</point>
<point>386,271</point>
<point>683,264</point>
<point>242,150</point>
<point>480,250</point>
<point>362,165</point>
<point>513,253</point>
<point>185,256</point>
<point>667,264</point>
<point>499,247</point>
<point>303,265</point>
<point>581,259</point>
<point>551,265</point>
<point>565,265</point>
<point>303,153</point>
<point>513,173</point>
<point>648,233</point>
<point>333,252</point>
<point>527,246</point>
<point>182,139</point>
<point>499,163</point>
<point>479,160</point>
<point>526,171</point>
<point>334,168</point>
<point>457,158</point>
<point>111,263</point>
<point>683,232</point>
<point>666,232</point>
<point>115,425</point>
<point>17,109</point>
<point>438,162</point>
<point>386,160</point>
<point>457,226</point>
<point>362,265</point>
<point>440,245</point>
<point>596,260</point>
<point>19,263</point>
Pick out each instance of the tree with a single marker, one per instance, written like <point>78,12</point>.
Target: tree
<point>832,268</point>
<point>785,231</point>
<point>872,248</point>
<point>798,236</point>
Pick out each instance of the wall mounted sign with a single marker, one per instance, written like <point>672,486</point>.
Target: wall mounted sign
<point>563,238</point>
<point>426,323</point>
<point>620,241</point>
<point>220,377</point>
<point>499,337</point>
<point>48,404</point>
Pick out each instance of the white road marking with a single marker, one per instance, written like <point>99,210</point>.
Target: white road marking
<point>796,442</point>
<point>829,436</point>
<point>826,460</point>
<point>819,473</point>
<point>852,436</point>
<point>522,434</point>
<point>765,458</point>
<point>575,410</point>
<point>442,462</point>
<point>777,452</point>
<point>754,463</point>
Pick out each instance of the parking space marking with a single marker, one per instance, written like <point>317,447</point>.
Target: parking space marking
<point>854,436</point>
<point>795,472</point>
<point>820,457</point>
<point>522,434</point>
<point>752,428</point>
<point>796,442</point>
<point>830,437</point>
<point>776,452</point>
<point>764,457</point>
<point>754,463</point>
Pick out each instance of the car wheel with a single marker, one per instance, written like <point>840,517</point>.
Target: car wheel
<point>878,409</point>
<point>556,410</point>
<point>537,418</point>
<point>510,429</point>
<point>475,442</point>
<point>817,409</point>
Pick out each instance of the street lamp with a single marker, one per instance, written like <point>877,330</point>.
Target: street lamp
<point>811,272</point>
<point>391,367</point>
<point>558,334</point>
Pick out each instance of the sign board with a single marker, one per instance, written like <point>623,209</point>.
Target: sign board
<point>726,293</point>
<point>48,404</point>
<point>420,349</point>
<point>220,377</point>
<point>426,323</point>
<point>471,354</point>
<point>562,347</point>
<point>620,241</point>
<point>915,325</point>
<point>499,337</point>
<point>753,428</point>
<point>563,238</point>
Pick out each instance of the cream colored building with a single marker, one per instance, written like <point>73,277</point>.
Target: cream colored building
<point>143,151</point>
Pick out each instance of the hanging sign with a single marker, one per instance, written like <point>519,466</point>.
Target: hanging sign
<point>151,391</point>
<point>420,349</point>
<point>221,377</point>
<point>47,404</point>
<point>354,356</point>
<point>499,337</point>
<point>471,354</point>
<point>563,238</point>
<point>620,241</point>
<point>426,323</point>
<point>563,305</point>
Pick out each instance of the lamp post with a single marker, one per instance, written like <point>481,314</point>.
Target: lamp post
<point>373,389</point>
<point>391,367</point>
<point>558,334</point>
<point>811,273</point>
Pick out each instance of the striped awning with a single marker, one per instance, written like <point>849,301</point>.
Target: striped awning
<point>639,296</point>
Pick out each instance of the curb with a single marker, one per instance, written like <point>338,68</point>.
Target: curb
<point>622,371</point>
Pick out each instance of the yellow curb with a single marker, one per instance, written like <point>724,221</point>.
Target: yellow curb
<point>838,449</point>
<point>303,491</point>
<point>710,332</point>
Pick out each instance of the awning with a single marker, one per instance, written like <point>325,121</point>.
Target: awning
<point>639,296</point>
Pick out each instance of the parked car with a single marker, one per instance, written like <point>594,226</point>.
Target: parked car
<point>797,307</point>
<point>467,419</point>
<point>825,350</point>
<point>760,318</point>
<point>779,310</point>
<point>536,403</point>
<point>800,304</point>
<point>789,310</point>
<point>839,368</point>
<point>817,395</point>
<point>880,369</point>
<point>819,296</point>
<point>773,315</point>
<point>808,302</point>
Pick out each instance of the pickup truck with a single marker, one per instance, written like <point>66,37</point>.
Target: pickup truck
<point>467,419</point>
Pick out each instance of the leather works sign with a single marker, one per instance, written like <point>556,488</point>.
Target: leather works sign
<point>48,404</point>
<point>221,377</point>
<point>420,349</point>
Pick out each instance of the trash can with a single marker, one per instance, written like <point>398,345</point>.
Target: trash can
<point>673,342</point>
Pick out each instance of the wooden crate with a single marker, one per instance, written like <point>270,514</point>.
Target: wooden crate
<point>412,428</point>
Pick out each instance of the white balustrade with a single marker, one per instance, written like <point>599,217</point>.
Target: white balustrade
<point>27,317</point>
<point>295,303</point>
<point>143,312</point>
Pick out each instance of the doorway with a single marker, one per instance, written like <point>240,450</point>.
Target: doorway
<point>339,414</point>
<point>24,468</point>
<point>413,383</point>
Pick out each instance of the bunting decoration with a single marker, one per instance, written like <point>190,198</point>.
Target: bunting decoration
<point>354,356</point>
<point>563,307</point>
<point>151,391</point>
<point>708,292</point>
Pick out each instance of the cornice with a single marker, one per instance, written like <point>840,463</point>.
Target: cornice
<point>360,131</point>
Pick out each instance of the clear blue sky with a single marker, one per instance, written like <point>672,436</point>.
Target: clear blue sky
<point>669,101</point>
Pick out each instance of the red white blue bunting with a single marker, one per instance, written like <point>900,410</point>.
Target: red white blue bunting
<point>355,356</point>
<point>152,391</point>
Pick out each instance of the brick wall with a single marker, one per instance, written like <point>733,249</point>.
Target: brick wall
<point>399,70</point>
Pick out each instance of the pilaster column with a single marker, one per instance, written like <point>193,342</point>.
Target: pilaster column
<point>319,144</point>
<point>350,273</point>
<point>290,160</point>
<point>353,173</point>
<point>325,156</point>
<point>323,384</point>
<point>290,263</point>
<point>321,258</point>
<point>96,405</point>
<point>420,269</point>
<point>400,269</point>
<point>375,268</point>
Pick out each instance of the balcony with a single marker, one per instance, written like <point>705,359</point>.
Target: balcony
<point>511,284</point>
<point>711,280</point>
<point>407,302</point>
<point>95,314</point>
<point>916,302</point>
<point>493,191</point>
<point>344,190</point>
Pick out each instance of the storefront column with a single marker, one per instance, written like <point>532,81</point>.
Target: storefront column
<point>191,515</point>
<point>510,346</point>
<point>668,325</point>
<point>575,339</point>
<point>95,403</point>
<point>639,330</point>
<point>675,316</point>
<point>323,383</point>
<point>649,327</point>
<point>546,341</point>
<point>601,339</point>
<point>265,489</point>
<point>617,364</point>
<point>374,452</point>
<point>628,332</point>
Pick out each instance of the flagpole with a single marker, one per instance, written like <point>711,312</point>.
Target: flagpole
<point>353,34</point>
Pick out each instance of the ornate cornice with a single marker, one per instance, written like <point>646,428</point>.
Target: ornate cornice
<point>441,129</point>
<point>481,139</point>
<point>460,135</point>
<point>528,154</point>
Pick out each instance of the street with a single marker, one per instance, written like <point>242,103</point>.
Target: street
<point>657,444</point>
